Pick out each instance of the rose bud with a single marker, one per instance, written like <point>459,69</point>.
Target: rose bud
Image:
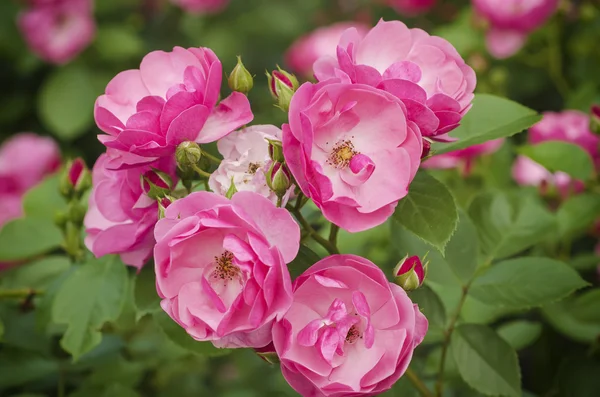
<point>156,184</point>
<point>410,273</point>
<point>163,204</point>
<point>76,178</point>
<point>276,151</point>
<point>426,148</point>
<point>188,154</point>
<point>595,119</point>
<point>240,79</point>
<point>268,354</point>
<point>282,86</point>
<point>279,179</point>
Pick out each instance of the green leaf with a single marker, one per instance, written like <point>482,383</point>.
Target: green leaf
<point>19,367</point>
<point>578,213</point>
<point>462,251</point>
<point>144,292</point>
<point>509,223</point>
<point>586,307</point>
<point>485,361</point>
<point>584,261</point>
<point>520,333</point>
<point>38,274</point>
<point>176,334</point>
<point>433,309</point>
<point>118,42</point>
<point>305,259</point>
<point>429,211</point>
<point>44,200</point>
<point>561,156</point>
<point>515,283</point>
<point>92,295</point>
<point>490,118</point>
<point>24,238</point>
<point>565,316</point>
<point>66,101</point>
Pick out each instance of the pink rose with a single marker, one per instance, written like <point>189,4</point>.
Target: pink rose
<point>351,149</point>
<point>221,266</point>
<point>246,162</point>
<point>349,332</point>
<point>570,126</point>
<point>322,42</point>
<point>201,6</point>
<point>511,21</point>
<point>172,98</point>
<point>424,71</point>
<point>121,217</point>
<point>463,157</point>
<point>25,159</point>
<point>412,7</point>
<point>58,30</point>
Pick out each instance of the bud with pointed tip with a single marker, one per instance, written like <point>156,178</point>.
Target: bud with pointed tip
<point>240,79</point>
<point>410,273</point>
<point>187,154</point>
<point>279,179</point>
<point>426,148</point>
<point>156,184</point>
<point>282,85</point>
<point>163,203</point>
<point>75,179</point>
<point>595,119</point>
<point>276,151</point>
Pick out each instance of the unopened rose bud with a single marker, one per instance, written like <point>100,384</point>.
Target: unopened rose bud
<point>75,179</point>
<point>240,79</point>
<point>187,154</point>
<point>276,151</point>
<point>595,119</point>
<point>282,86</point>
<point>279,179</point>
<point>426,148</point>
<point>156,183</point>
<point>268,354</point>
<point>410,273</point>
<point>163,204</point>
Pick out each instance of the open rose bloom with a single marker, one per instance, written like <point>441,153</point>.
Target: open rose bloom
<point>568,126</point>
<point>172,98</point>
<point>58,30</point>
<point>512,21</point>
<point>349,332</point>
<point>352,151</point>
<point>221,266</point>
<point>425,72</point>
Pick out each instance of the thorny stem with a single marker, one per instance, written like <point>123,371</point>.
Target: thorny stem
<point>418,383</point>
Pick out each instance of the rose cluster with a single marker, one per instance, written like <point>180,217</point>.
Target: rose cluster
<point>221,230</point>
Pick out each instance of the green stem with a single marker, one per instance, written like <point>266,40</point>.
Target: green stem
<point>19,293</point>
<point>212,158</point>
<point>332,249</point>
<point>333,233</point>
<point>278,201</point>
<point>417,383</point>
<point>201,172</point>
<point>556,62</point>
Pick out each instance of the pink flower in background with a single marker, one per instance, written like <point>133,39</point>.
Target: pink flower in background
<point>221,266</point>
<point>412,7</point>
<point>322,42</point>
<point>58,30</point>
<point>246,161</point>
<point>349,332</point>
<point>351,149</point>
<point>424,71</point>
<point>172,98</point>
<point>201,6</point>
<point>463,157</point>
<point>121,217</point>
<point>25,159</point>
<point>568,126</point>
<point>512,21</point>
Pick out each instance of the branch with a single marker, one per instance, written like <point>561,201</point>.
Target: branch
<point>417,383</point>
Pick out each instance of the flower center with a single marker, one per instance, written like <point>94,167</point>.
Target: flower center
<point>253,167</point>
<point>341,154</point>
<point>225,269</point>
<point>353,334</point>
